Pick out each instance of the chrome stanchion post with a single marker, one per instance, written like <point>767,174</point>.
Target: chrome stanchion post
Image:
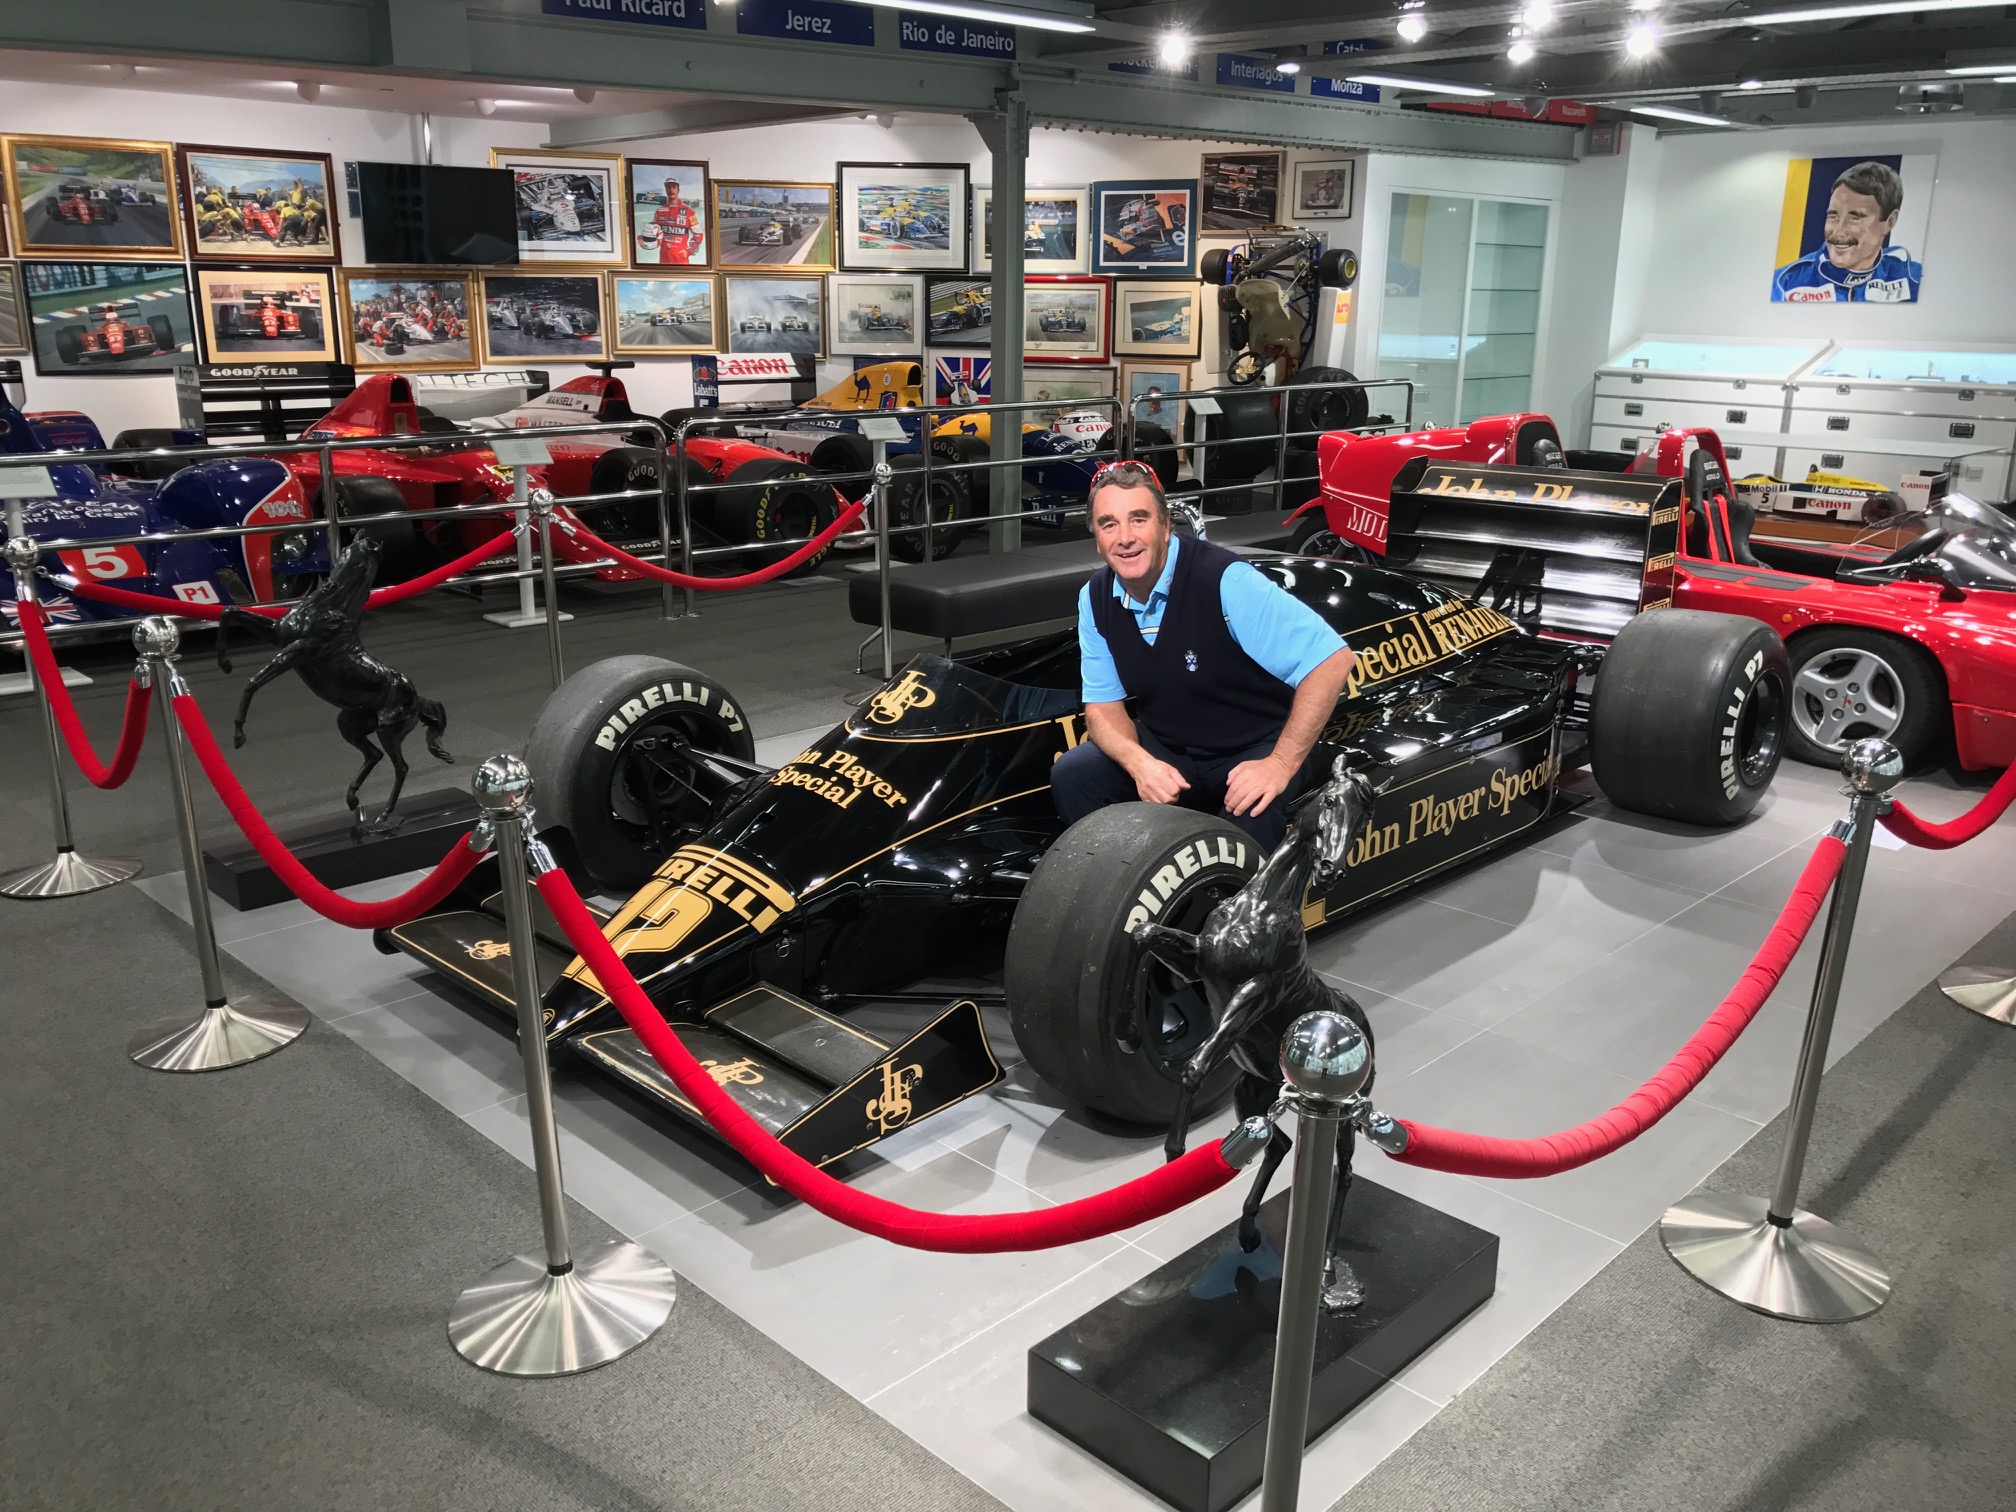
<point>332,531</point>
<point>882,476</point>
<point>687,591</point>
<point>1281,450</point>
<point>225,1033</point>
<point>1326,1063</point>
<point>664,523</point>
<point>560,1312</point>
<point>542,512</point>
<point>527,613</point>
<point>1773,1256</point>
<point>68,874</point>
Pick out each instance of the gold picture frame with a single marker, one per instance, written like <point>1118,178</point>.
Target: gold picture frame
<point>773,225</point>
<point>571,206</point>
<point>383,310</point>
<point>62,191</point>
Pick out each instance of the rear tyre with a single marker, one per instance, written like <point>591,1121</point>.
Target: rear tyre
<point>1097,1018</point>
<point>612,754</point>
<point>1244,435</point>
<point>1690,714</point>
<point>1154,445</point>
<point>622,468</point>
<point>975,491</point>
<point>1338,268</point>
<point>1850,685</point>
<point>844,454</point>
<point>907,506</point>
<point>163,332</point>
<point>1323,409</point>
<point>398,541</point>
<point>70,346</point>
<point>769,500</point>
<point>152,470</point>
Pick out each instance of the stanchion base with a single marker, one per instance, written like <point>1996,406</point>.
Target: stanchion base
<point>16,684</point>
<point>67,876</point>
<point>218,1037</point>
<point>1808,1271</point>
<point>1987,990</point>
<point>522,1320</point>
<point>511,619</point>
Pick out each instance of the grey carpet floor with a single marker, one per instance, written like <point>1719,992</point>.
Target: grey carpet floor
<point>1647,1391</point>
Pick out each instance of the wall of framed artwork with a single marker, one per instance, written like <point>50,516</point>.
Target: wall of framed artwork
<point>1147,387</point>
<point>1145,226</point>
<point>568,210</point>
<point>875,314</point>
<point>775,314</point>
<point>68,196</point>
<point>770,223</point>
<point>959,312</point>
<point>1066,320</point>
<point>1057,226</point>
<point>902,217</point>
<point>1321,188</point>
<point>1157,318</point>
<point>263,314</point>
<point>13,315</point>
<point>408,322</point>
<point>1239,191</point>
<point>548,316</point>
<point>663,315</point>
<point>108,318</point>
<point>668,206</point>
<point>243,206</point>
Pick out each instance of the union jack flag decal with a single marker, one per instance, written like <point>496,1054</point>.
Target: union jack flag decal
<point>961,380</point>
<point>60,609</point>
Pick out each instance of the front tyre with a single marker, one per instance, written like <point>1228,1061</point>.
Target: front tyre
<point>1850,685</point>
<point>1101,1021</point>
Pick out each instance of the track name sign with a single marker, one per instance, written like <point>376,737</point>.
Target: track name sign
<point>691,14</point>
<point>918,32</point>
<point>807,21</point>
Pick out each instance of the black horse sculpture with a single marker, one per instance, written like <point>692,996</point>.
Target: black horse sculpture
<point>1253,959</point>
<point>318,638</point>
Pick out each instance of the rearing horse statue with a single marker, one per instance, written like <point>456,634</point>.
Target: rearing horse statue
<point>1253,958</point>
<point>318,638</point>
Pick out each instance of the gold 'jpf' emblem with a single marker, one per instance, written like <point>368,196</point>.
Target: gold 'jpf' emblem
<point>891,704</point>
<point>893,1108</point>
<point>742,1072</point>
<point>488,950</point>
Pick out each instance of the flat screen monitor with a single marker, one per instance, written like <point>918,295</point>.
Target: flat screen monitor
<point>427,213</point>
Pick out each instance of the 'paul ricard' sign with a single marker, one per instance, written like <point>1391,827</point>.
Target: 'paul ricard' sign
<point>687,13</point>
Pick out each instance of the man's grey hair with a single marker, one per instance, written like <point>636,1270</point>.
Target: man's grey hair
<point>1877,180</point>
<point>1127,474</point>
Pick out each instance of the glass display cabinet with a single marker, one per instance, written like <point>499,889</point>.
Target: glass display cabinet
<point>1733,384</point>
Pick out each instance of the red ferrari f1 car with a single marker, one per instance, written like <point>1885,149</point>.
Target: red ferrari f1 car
<point>1904,645</point>
<point>118,334</point>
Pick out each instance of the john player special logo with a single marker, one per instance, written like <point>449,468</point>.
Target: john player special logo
<point>488,950</point>
<point>893,1108</point>
<point>907,693</point>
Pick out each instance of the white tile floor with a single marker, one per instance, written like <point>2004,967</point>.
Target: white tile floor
<point>1523,995</point>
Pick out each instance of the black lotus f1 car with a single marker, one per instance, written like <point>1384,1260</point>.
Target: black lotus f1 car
<point>918,839</point>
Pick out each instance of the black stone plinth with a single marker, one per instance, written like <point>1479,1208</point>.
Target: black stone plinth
<point>1168,1381</point>
<point>337,857</point>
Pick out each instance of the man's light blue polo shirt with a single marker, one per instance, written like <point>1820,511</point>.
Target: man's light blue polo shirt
<point>1271,625</point>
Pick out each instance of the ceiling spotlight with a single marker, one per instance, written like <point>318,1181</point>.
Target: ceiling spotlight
<point>1174,49</point>
<point>1752,84</point>
<point>122,71</point>
<point>1538,15</point>
<point>1287,65</point>
<point>1520,51</point>
<point>1412,28</point>
<point>308,89</point>
<point>1642,41</point>
<point>486,107</point>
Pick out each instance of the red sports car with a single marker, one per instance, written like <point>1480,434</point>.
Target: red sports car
<point>118,334</point>
<point>1903,645</point>
<point>81,205</point>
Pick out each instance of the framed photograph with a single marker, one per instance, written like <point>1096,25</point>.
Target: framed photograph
<point>241,206</point>
<point>1240,190</point>
<point>903,217</point>
<point>875,315</point>
<point>108,317</point>
<point>661,316</point>
<point>1145,226</point>
<point>1066,319</point>
<point>776,314</point>
<point>1161,318</point>
<point>1067,388</point>
<point>409,322</point>
<point>1150,387</point>
<point>269,315</point>
<point>961,382</point>
<point>67,195</point>
<point>960,312</point>
<point>668,205</point>
<point>567,205</point>
<point>1323,188</point>
<point>762,224</point>
<point>13,320</point>
<point>552,317</point>
<point>1054,228</point>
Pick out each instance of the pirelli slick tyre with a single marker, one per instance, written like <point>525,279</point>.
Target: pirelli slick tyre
<point>1690,715</point>
<point>1100,1020</point>
<point>611,755</point>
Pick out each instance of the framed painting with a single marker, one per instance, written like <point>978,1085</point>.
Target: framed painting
<point>1066,319</point>
<point>782,314</point>
<point>760,223</point>
<point>875,314</point>
<point>960,382</point>
<point>668,204</point>
<point>1145,226</point>
<point>1064,388</point>
<point>112,318</point>
<point>959,312</point>
<point>902,217</point>
<point>1055,223</point>
<point>13,318</point>
<point>660,315</point>
<point>1323,188</point>
<point>269,314</point>
<point>1240,190</point>
<point>243,206</point>
<point>72,195</point>
<point>1159,318</point>
<point>547,317</point>
<point>409,322</point>
<point>567,211</point>
<point>1150,389</point>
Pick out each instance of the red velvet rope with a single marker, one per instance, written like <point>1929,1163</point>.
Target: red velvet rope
<point>1908,827</point>
<point>1162,1191</point>
<point>415,901</point>
<point>797,558</point>
<point>1483,1155</point>
<point>393,593</point>
<point>49,676</point>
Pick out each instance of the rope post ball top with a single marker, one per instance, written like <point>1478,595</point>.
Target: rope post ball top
<point>22,555</point>
<point>1872,766</point>
<point>157,636</point>
<point>1325,1058</point>
<point>503,785</point>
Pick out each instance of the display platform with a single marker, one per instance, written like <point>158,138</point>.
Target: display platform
<point>1168,1379</point>
<point>336,856</point>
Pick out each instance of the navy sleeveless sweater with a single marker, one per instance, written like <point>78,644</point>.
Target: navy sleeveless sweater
<point>1194,688</point>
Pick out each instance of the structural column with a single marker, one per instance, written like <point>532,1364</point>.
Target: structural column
<point>1005,130</point>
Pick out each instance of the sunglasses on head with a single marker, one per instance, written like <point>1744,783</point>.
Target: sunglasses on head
<point>1126,472</point>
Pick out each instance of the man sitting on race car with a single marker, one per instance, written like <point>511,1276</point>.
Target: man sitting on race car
<point>1232,676</point>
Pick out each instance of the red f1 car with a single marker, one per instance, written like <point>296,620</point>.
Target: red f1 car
<point>119,334</point>
<point>1903,646</point>
<point>81,205</point>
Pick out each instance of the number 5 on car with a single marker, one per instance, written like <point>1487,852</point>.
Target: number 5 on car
<point>100,563</point>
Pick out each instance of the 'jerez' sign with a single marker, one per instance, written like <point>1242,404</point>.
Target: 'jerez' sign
<point>807,21</point>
